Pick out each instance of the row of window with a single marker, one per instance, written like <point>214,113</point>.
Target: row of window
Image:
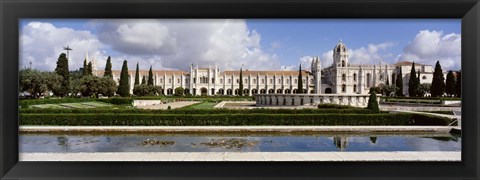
<point>246,81</point>
<point>344,88</point>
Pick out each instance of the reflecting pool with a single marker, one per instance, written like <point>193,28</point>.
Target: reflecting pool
<point>236,142</point>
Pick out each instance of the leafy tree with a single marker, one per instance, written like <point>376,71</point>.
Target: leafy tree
<point>413,82</point>
<point>389,89</point>
<point>85,68</point>
<point>438,82</point>
<point>108,69</point>
<point>90,85</point>
<point>399,82</point>
<point>150,77</point>
<point>146,90</point>
<point>179,91</point>
<point>240,89</point>
<point>124,85</point>
<point>53,81</point>
<point>108,86</point>
<point>372,102</point>
<point>137,78</point>
<point>300,80</point>
<point>37,83</point>
<point>423,89</point>
<point>76,84</point>
<point>89,69</point>
<point>144,81</point>
<point>458,85</point>
<point>450,84</point>
<point>62,70</point>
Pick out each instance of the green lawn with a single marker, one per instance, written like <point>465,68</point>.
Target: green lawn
<point>80,105</point>
<point>202,105</point>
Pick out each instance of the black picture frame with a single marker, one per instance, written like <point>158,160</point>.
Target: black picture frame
<point>11,11</point>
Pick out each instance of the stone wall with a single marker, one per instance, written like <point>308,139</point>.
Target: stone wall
<point>356,100</point>
<point>146,102</point>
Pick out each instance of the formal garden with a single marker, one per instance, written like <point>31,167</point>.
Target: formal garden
<point>78,98</point>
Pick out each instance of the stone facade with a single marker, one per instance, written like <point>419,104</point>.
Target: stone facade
<point>341,77</point>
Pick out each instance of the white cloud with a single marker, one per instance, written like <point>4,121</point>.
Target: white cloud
<point>178,43</point>
<point>306,62</point>
<point>429,46</point>
<point>42,43</point>
<point>371,54</point>
<point>165,44</point>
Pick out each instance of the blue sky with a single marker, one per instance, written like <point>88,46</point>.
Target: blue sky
<point>256,43</point>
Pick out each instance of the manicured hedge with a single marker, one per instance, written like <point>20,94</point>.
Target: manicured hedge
<point>201,111</point>
<point>335,106</point>
<point>229,119</point>
<point>117,101</point>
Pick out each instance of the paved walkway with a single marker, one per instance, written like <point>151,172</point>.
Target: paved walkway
<point>433,114</point>
<point>358,129</point>
<point>246,156</point>
<point>385,107</point>
<point>173,105</point>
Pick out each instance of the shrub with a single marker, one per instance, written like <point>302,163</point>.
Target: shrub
<point>200,111</point>
<point>229,119</point>
<point>372,102</point>
<point>335,106</point>
<point>117,101</point>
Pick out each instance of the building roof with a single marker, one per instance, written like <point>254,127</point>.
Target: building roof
<point>254,73</point>
<point>407,63</point>
<point>144,72</point>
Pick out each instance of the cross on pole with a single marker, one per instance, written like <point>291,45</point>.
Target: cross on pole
<point>67,48</point>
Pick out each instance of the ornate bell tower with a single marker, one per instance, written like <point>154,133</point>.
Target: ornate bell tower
<point>340,55</point>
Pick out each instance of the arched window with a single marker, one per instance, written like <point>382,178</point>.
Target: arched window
<point>343,63</point>
<point>344,77</point>
<point>354,76</point>
<point>344,88</point>
<point>354,88</point>
<point>424,77</point>
<point>369,78</point>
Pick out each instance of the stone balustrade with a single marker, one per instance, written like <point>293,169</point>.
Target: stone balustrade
<point>356,100</point>
<point>146,102</point>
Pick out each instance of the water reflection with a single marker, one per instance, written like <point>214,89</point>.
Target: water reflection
<point>243,142</point>
<point>340,142</point>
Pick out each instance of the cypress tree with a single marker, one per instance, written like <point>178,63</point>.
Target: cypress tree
<point>399,83</point>
<point>85,68</point>
<point>450,84</point>
<point>300,81</point>
<point>372,102</point>
<point>418,77</point>
<point>413,82</point>
<point>124,86</point>
<point>144,81</point>
<point>458,85</point>
<point>438,82</point>
<point>137,76</point>
<point>89,69</point>
<point>108,69</point>
<point>240,87</point>
<point>62,70</point>
<point>150,77</point>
